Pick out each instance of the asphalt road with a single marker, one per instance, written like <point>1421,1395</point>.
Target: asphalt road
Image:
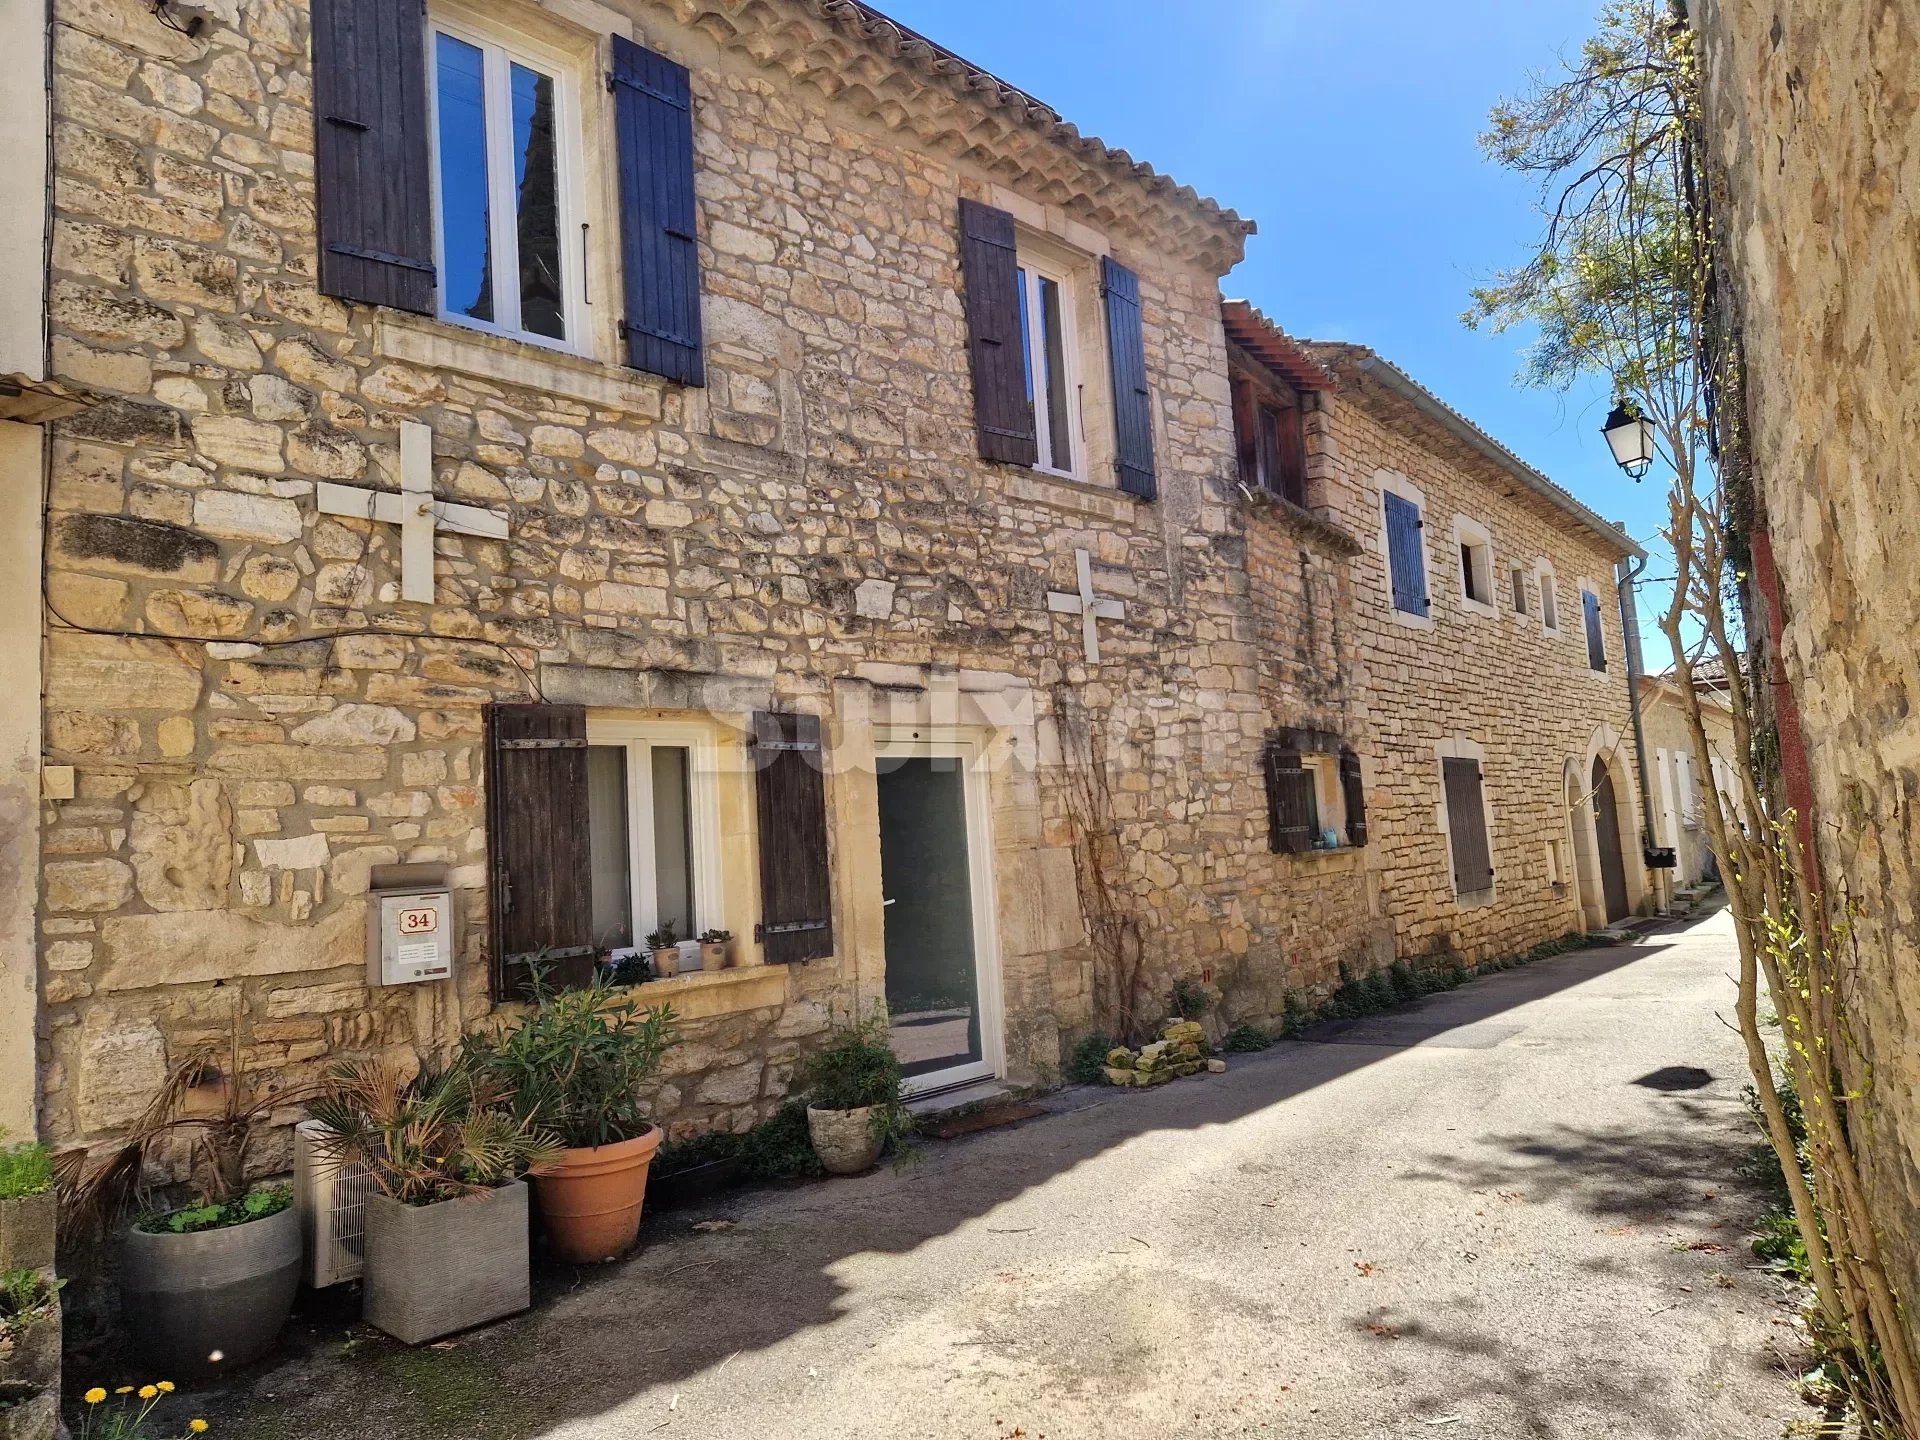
<point>1512,1210</point>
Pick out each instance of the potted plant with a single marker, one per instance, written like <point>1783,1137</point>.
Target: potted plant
<point>664,944</point>
<point>211,1283</point>
<point>572,1066</point>
<point>855,1096</point>
<point>713,949</point>
<point>446,1224</point>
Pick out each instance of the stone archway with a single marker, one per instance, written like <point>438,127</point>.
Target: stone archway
<point>1612,824</point>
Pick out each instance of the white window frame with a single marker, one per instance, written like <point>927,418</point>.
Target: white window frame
<point>1523,604</point>
<point>1470,533</point>
<point>638,737</point>
<point>1032,270</point>
<point>1548,584</point>
<point>1585,588</point>
<point>500,49</point>
<point>1392,482</point>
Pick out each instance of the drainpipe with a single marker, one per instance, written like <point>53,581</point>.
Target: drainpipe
<point>1626,574</point>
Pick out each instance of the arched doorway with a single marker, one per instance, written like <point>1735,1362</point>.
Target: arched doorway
<point>1606,825</point>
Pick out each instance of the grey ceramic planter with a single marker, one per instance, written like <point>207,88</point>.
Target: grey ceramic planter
<point>844,1139</point>
<point>214,1299</point>
<point>435,1269</point>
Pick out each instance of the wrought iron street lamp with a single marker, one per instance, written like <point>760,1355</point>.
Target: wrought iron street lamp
<point>1630,437</point>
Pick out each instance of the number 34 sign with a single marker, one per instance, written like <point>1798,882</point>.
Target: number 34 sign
<point>418,920</point>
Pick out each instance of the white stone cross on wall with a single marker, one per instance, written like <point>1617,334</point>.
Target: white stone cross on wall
<point>1087,606</point>
<point>414,510</point>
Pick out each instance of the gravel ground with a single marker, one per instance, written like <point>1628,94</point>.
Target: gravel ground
<point>1512,1210</point>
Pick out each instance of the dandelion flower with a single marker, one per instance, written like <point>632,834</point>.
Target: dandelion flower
<point>94,1396</point>
<point>166,1387</point>
<point>147,1392</point>
<point>124,1390</point>
<point>198,1427</point>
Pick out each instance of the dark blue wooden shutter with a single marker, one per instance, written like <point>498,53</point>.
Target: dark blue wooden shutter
<point>1596,637</point>
<point>1127,359</point>
<point>1406,555</point>
<point>996,344</point>
<point>373,174</point>
<point>660,252</point>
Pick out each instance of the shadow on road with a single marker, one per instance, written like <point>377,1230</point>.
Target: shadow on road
<point>688,1302</point>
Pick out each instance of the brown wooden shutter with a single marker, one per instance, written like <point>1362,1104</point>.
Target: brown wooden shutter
<point>1289,473</point>
<point>1290,804</point>
<point>1467,822</point>
<point>1127,360</point>
<point>660,252</point>
<point>372,165</point>
<point>537,844</point>
<point>796,893</point>
<point>1353,787</point>
<point>989,268</point>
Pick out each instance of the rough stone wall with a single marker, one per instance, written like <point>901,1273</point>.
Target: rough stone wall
<point>1811,116</point>
<point>1527,697</point>
<point>236,788</point>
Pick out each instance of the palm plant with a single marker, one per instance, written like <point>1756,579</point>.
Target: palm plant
<point>443,1133</point>
<point>95,1188</point>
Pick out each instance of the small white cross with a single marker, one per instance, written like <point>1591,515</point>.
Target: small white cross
<point>1090,610</point>
<point>414,510</point>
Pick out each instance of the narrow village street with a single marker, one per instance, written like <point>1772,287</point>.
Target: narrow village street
<point>1518,1209</point>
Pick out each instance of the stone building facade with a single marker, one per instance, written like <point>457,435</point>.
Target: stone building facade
<point>267,720</point>
<point>1475,620</point>
<point>1678,785</point>
<point>1810,118</point>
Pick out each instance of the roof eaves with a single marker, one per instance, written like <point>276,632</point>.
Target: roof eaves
<point>1273,347</point>
<point>1369,362</point>
<point>933,59</point>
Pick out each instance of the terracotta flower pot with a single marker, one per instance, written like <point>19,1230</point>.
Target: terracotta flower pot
<point>844,1139</point>
<point>666,961</point>
<point>591,1198</point>
<point>714,956</point>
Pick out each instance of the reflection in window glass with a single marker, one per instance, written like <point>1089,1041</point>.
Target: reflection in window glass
<point>1026,337</point>
<point>673,838</point>
<point>537,189</point>
<point>1054,357</point>
<point>465,215</point>
<point>607,846</point>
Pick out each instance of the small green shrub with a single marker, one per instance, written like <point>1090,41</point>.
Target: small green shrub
<point>1377,993</point>
<point>1405,986</point>
<point>25,1295</point>
<point>1245,1039</point>
<point>1190,998</point>
<point>779,1147</point>
<point>1778,1245</point>
<point>1089,1055</point>
<point>856,1069</point>
<point>255,1205</point>
<point>1295,1013</point>
<point>25,1169</point>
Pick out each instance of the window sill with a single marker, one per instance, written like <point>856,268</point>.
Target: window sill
<point>1479,607</point>
<point>706,994</point>
<point>1302,521</point>
<point>440,344</point>
<point>1341,857</point>
<point>1409,619</point>
<point>1082,497</point>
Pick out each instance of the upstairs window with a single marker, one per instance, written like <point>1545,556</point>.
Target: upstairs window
<point>1596,634</point>
<point>503,187</point>
<point>1475,547</point>
<point>1052,365</point>
<point>1518,579</point>
<point>1549,599</point>
<point>1271,430</point>
<point>1406,554</point>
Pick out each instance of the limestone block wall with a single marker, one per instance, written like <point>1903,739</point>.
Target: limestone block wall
<point>1499,681</point>
<point>257,720</point>
<point>1810,114</point>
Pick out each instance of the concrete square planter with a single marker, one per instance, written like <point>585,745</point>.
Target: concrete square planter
<point>26,1416</point>
<point>26,1232</point>
<point>30,1353</point>
<point>435,1269</point>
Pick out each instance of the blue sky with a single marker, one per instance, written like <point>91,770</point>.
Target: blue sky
<point>1348,132</point>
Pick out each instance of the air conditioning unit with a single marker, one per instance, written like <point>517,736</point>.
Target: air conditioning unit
<point>332,1201</point>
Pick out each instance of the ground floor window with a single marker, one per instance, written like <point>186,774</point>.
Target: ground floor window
<point>1315,796</point>
<point>652,833</point>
